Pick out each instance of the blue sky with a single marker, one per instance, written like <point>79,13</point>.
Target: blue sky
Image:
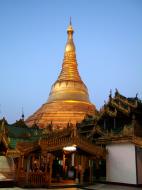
<point>108,39</point>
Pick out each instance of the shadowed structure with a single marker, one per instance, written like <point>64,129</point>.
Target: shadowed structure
<point>68,100</point>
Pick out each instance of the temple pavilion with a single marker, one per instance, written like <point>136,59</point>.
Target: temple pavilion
<point>68,140</point>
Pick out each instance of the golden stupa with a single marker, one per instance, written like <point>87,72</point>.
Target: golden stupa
<point>68,100</point>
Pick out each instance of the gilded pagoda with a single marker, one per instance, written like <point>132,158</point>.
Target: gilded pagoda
<point>68,101</point>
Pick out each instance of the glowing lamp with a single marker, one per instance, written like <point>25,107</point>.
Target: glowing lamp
<point>70,148</point>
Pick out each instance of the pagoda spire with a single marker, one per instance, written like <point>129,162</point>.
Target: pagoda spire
<point>70,21</point>
<point>69,67</point>
<point>68,99</point>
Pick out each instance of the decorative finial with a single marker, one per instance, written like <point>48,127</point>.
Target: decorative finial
<point>22,114</point>
<point>116,92</point>
<point>70,21</point>
<point>0,109</point>
<point>110,94</point>
<point>70,28</point>
<point>116,89</point>
<point>137,95</point>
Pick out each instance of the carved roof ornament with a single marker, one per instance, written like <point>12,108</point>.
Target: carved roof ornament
<point>22,114</point>
<point>110,94</point>
<point>116,92</point>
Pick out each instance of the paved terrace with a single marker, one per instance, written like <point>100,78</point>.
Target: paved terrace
<point>93,187</point>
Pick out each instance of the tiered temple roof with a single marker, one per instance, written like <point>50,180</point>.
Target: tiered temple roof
<point>18,132</point>
<point>118,119</point>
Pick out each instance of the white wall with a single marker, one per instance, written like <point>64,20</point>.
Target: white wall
<point>121,163</point>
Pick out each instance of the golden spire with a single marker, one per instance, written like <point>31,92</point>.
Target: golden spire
<point>69,85</point>
<point>69,68</point>
<point>68,98</point>
<point>70,44</point>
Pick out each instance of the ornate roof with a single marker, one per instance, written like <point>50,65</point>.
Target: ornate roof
<point>118,120</point>
<point>119,104</point>
<point>18,132</point>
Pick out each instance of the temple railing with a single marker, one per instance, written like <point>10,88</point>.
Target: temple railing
<point>36,179</point>
<point>33,179</point>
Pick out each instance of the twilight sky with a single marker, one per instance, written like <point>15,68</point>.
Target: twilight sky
<point>108,39</point>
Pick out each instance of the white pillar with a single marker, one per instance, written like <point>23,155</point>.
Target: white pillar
<point>72,159</point>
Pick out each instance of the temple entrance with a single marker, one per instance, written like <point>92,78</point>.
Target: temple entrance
<point>75,168</point>
<point>102,170</point>
<point>73,156</point>
<point>69,166</point>
<point>63,169</point>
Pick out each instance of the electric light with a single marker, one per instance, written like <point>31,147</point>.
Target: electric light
<point>70,148</point>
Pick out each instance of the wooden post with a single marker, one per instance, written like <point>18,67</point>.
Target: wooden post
<point>97,167</point>
<point>22,162</point>
<point>81,169</point>
<point>91,171</point>
<point>104,124</point>
<point>77,168</point>
<point>47,178</point>
<point>90,176</point>
<point>50,168</point>
<point>18,169</point>
<point>114,123</point>
<point>72,159</point>
<point>64,163</point>
<point>28,168</point>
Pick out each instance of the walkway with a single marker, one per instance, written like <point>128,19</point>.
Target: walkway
<point>111,187</point>
<point>93,187</point>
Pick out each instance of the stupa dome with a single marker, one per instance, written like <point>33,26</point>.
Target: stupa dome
<point>68,100</point>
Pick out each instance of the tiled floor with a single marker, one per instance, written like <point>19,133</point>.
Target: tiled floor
<point>93,187</point>
<point>112,187</point>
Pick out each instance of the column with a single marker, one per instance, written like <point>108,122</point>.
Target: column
<point>72,159</point>
<point>82,169</point>
<point>50,168</point>
<point>18,169</point>
<point>77,168</point>
<point>28,168</point>
<point>64,163</point>
<point>104,124</point>
<point>22,162</point>
<point>114,123</point>
<point>97,168</point>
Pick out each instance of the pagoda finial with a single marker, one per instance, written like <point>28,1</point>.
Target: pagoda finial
<point>0,109</point>
<point>70,29</point>
<point>69,68</point>
<point>22,114</point>
<point>70,21</point>
<point>110,94</point>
